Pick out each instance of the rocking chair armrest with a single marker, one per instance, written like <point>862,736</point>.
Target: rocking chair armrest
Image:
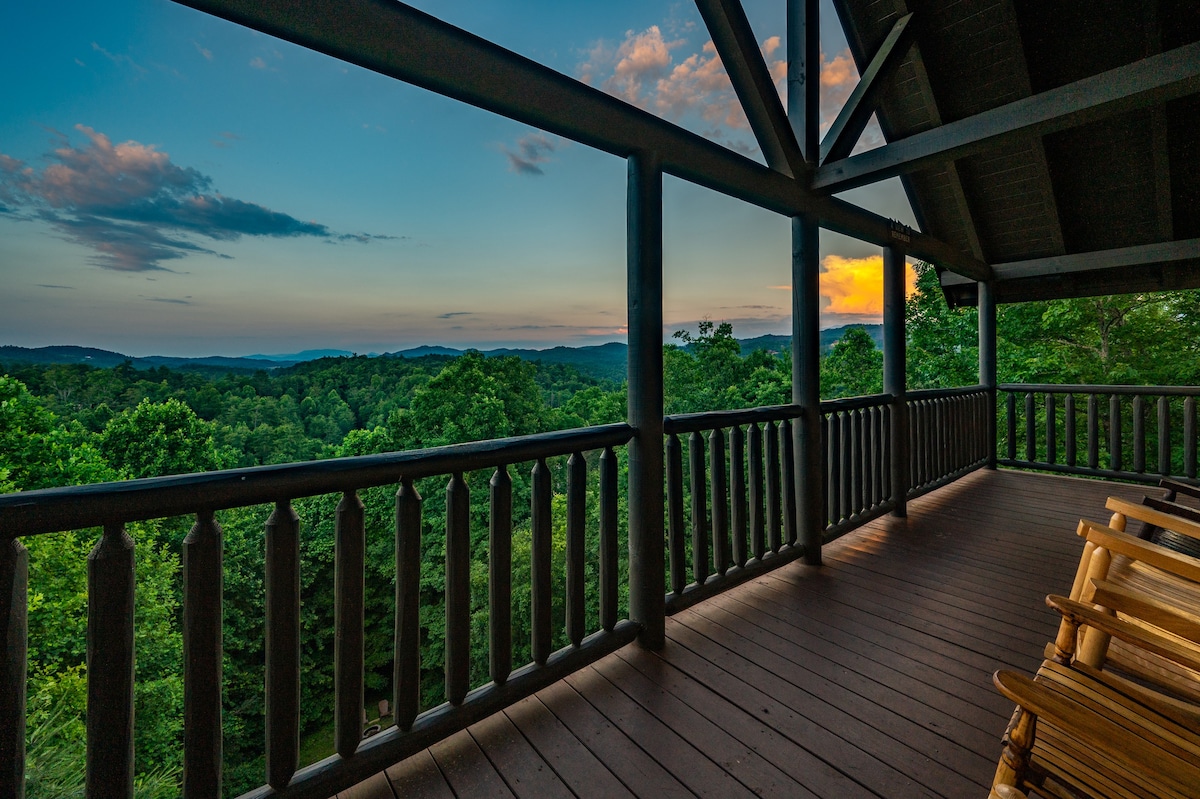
<point>1078,613</point>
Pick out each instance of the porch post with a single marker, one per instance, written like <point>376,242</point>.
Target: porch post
<point>647,581</point>
<point>894,380</point>
<point>804,94</point>
<point>987,363</point>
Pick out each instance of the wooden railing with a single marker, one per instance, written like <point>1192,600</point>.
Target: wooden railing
<point>948,437</point>
<point>731,492</point>
<point>749,485</point>
<point>111,584</point>
<point>1102,430</point>
<point>858,481</point>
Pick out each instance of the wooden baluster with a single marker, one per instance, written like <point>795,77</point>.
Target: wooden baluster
<point>868,457</point>
<point>720,502</point>
<point>1114,433</point>
<point>847,432</point>
<point>887,414</point>
<point>576,545</point>
<point>1189,437</point>
<point>941,431</point>
<point>541,554</point>
<point>609,567</point>
<point>1139,434</point>
<point>757,538</point>
<point>349,560</point>
<point>1010,405</point>
<point>500,575</point>
<point>857,471</point>
<point>881,463</point>
<point>833,482</point>
<point>699,509</point>
<point>1051,430</point>
<point>675,535</point>
<point>1164,436</point>
<point>1030,430</point>
<point>915,438</point>
<point>283,644</point>
<point>406,680</point>
<point>774,525</point>
<point>202,655</point>
<point>737,494</point>
<point>14,629</point>
<point>1093,432</point>
<point>787,447</point>
<point>110,665</point>
<point>1069,430</point>
<point>458,589</point>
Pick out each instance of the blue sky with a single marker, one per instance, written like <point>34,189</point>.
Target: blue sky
<point>173,184</point>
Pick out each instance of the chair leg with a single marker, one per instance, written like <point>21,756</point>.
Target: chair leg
<point>1014,761</point>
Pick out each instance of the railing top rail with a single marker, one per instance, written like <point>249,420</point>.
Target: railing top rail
<point>939,393</point>
<point>1051,388</point>
<point>55,509</point>
<point>854,403</point>
<point>712,420</point>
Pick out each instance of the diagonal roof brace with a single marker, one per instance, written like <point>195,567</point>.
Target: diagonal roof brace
<point>734,39</point>
<point>853,118</point>
<point>1148,82</point>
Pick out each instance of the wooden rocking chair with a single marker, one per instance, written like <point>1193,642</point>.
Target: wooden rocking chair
<point>1077,731</point>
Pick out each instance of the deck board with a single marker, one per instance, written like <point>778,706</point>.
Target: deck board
<point>870,676</point>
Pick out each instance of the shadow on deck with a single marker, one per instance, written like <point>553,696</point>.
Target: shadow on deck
<point>868,677</point>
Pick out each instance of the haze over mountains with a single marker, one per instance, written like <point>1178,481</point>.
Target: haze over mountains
<point>602,361</point>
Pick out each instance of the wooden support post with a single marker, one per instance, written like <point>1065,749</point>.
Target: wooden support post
<point>647,586</point>
<point>804,112</point>
<point>894,379</point>
<point>987,365</point>
<point>14,582</point>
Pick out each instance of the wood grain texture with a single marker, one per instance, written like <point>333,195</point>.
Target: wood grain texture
<point>869,677</point>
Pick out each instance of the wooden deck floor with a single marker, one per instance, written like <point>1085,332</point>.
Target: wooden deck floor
<point>870,676</point>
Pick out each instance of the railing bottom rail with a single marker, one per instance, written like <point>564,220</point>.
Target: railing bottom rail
<point>1149,478</point>
<point>335,773</point>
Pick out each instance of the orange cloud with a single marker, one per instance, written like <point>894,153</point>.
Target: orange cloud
<point>855,285</point>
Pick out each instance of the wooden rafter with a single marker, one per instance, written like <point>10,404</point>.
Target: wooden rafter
<point>734,39</point>
<point>853,118</point>
<point>1153,80</point>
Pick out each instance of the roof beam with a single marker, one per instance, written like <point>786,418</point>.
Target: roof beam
<point>1158,253</point>
<point>856,113</point>
<point>1150,81</point>
<point>734,39</point>
<point>1162,266</point>
<point>399,41</point>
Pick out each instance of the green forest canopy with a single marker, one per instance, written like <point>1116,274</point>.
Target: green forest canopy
<point>74,424</point>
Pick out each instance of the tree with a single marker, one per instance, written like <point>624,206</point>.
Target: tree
<point>854,368</point>
<point>158,438</point>
<point>942,344</point>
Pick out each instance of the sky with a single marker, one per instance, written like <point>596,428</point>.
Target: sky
<point>173,184</point>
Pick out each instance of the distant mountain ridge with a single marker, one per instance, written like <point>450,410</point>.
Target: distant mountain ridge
<point>605,361</point>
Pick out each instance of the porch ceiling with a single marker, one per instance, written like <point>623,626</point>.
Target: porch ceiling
<point>1086,199</point>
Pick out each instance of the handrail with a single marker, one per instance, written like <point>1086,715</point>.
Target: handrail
<point>710,420</point>
<point>55,509</point>
<point>940,393</point>
<point>1065,388</point>
<point>856,403</point>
